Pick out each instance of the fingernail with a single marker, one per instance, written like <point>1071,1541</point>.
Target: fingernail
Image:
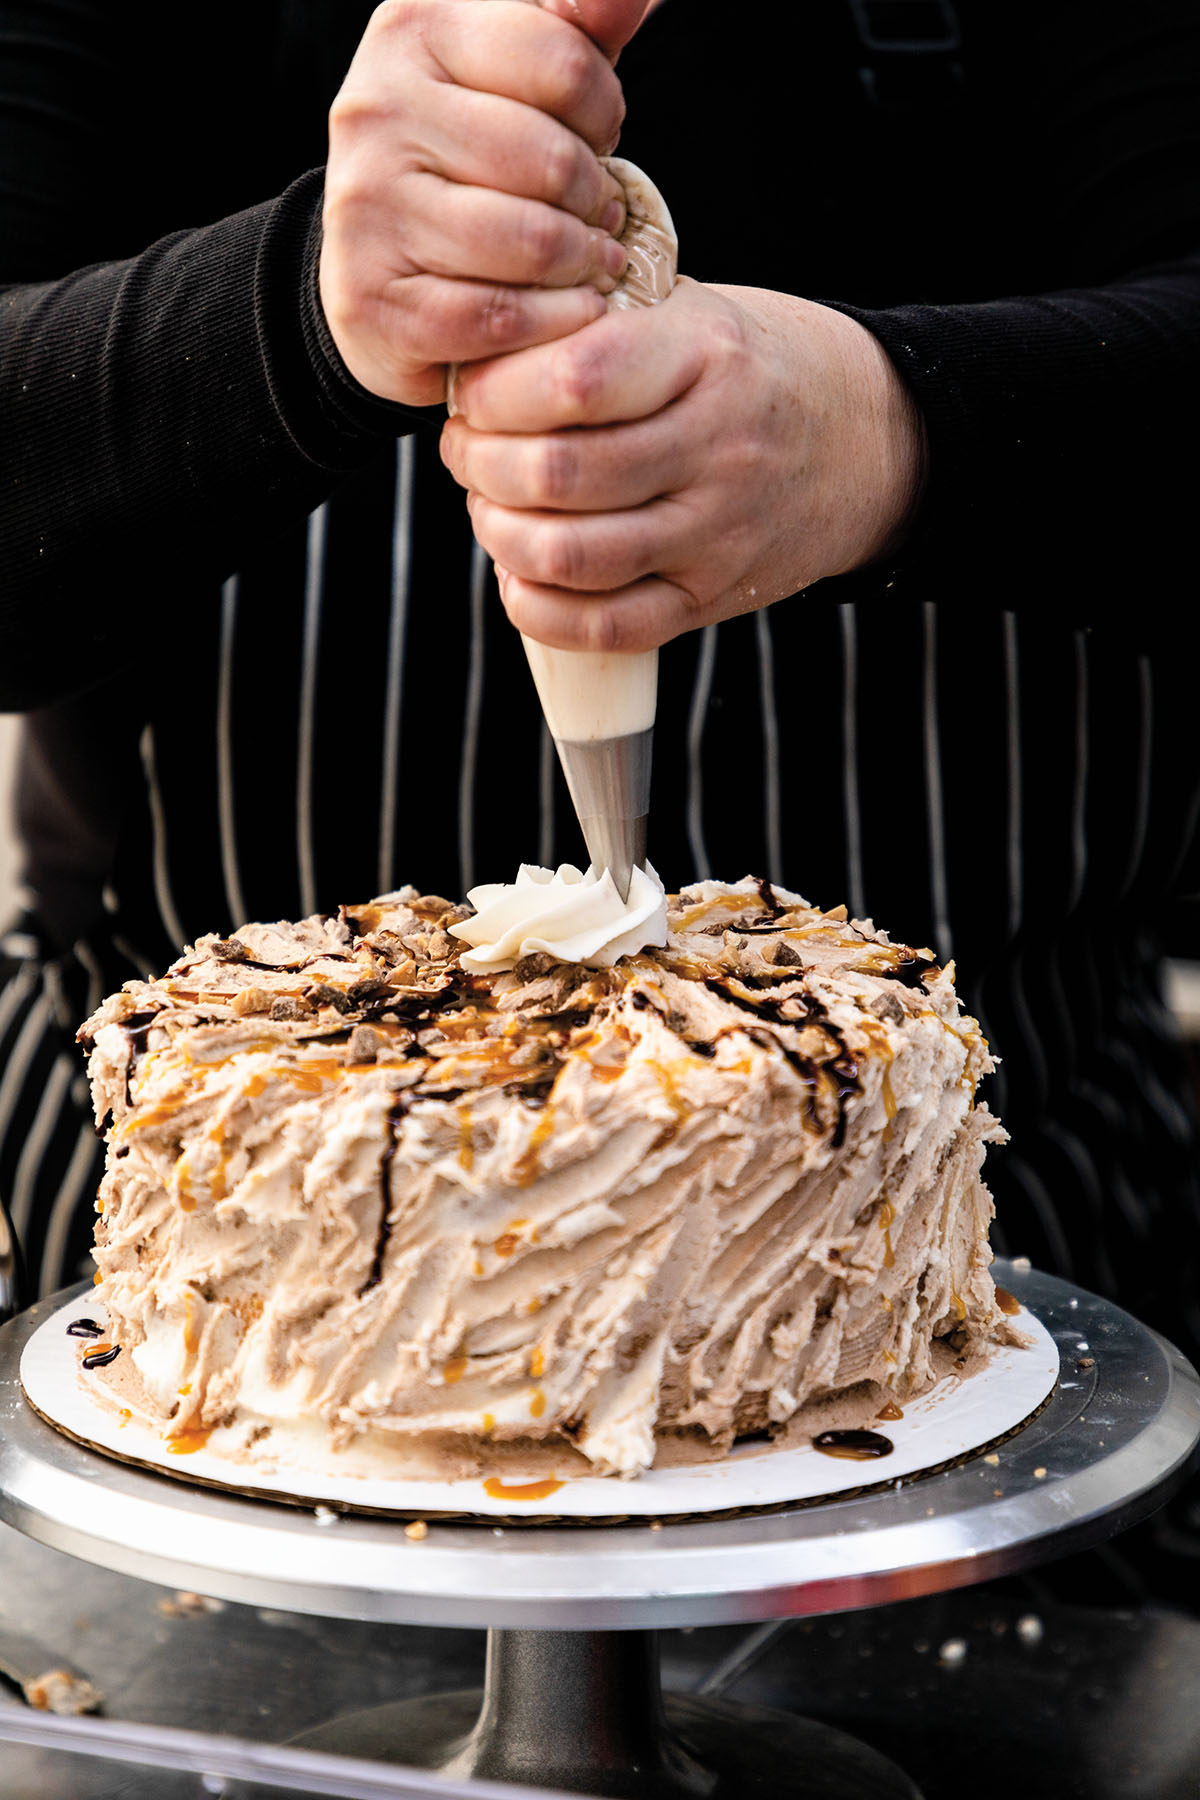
<point>615,258</point>
<point>614,217</point>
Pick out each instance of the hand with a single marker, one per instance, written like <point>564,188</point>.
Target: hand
<point>466,212</point>
<point>666,468</point>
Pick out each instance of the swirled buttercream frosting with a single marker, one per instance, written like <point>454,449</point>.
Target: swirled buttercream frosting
<point>364,1202</point>
<point>575,918</point>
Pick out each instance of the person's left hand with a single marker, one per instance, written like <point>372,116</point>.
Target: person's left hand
<point>667,467</point>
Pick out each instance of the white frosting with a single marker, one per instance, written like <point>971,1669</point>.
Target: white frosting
<point>577,918</point>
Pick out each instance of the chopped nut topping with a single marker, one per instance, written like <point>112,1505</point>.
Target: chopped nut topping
<point>888,1008</point>
<point>365,1044</point>
<point>290,1009</point>
<point>530,967</point>
<point>251,1000</point>
<point>321,994</point>
<point>230,950</point>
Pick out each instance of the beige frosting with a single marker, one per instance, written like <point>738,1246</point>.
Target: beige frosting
<point>351,1183</point>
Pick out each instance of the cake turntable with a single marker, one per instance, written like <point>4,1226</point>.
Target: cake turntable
<point>572,1697</point>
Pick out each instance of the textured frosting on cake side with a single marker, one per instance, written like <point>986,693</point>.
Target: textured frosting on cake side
<point>685,1197</point>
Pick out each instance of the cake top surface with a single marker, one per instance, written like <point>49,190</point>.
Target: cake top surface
<point>383,983</point>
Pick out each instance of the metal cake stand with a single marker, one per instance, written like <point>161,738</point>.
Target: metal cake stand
<point>572,1698</point>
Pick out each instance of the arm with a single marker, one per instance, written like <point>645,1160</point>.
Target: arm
<point>1050,418</point>
<point>170,410</point>
<point>157,417</point>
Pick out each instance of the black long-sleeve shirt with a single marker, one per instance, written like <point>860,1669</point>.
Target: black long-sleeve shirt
<point>265,671</point>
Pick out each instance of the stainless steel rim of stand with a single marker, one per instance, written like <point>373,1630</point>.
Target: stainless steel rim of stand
<point>584,1712</point>
<point>573,1699</point>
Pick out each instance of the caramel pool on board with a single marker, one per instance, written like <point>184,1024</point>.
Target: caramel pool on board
<point>520,1490</point>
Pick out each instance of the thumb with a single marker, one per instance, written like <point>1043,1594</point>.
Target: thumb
<point>609,23</point>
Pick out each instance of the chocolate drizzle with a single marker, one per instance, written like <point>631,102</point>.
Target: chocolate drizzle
<point>766,1005</point>
<point>769,898</point>
<point>85,1328</point>
<point>136,1030</point>
<point>842,1066</point>
<point>102,1355</point>
<point>395,1117</point>
<point>910,973</point>
<point>857,1446</point>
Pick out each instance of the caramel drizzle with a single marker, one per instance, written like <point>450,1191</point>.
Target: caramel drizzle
<point>521,1490</point>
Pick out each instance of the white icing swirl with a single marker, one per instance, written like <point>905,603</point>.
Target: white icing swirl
<point>577,918</point>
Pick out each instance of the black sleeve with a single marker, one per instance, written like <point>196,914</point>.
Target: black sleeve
<point>1060,421</point>
<point>159,414</point>
<point>1060,433</point>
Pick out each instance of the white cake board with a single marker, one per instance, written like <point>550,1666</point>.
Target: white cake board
<point>958,1418</point>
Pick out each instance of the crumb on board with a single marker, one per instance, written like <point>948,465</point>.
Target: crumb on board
<point>58,1691</point>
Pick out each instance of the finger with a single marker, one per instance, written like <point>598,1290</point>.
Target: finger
<point>609,23</point>
<point>638,617</point>
<point>457,231</point>
<point>527,54</point>
<point>426,321</point>
<point>488,141</point>
<point>601,469</point>
<point>627,366</point>
<point>585,552</point>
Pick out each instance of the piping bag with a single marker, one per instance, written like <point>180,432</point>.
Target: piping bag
<point>600,706</point>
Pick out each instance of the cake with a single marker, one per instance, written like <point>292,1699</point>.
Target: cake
<point>438,1209</point>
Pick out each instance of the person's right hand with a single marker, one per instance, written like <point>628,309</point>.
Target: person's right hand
<point>466,212</point>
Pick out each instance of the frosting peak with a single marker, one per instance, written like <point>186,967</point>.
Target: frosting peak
<point>575,917</point>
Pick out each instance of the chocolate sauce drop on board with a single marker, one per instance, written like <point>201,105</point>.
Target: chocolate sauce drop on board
<point>857,1446</point>
<point>85,1328</point>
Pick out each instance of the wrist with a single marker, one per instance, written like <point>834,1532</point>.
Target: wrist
<point>878,442</point>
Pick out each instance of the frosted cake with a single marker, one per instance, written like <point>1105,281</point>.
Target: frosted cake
<point>436,1207</point>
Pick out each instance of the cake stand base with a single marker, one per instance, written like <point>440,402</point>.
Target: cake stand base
<point>584,1712</point>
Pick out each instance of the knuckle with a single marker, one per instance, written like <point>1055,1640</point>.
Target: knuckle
<point>577,375</point>
<point>500,317</point>
<point>600,628</point>
<point>540,236</point>
<point>397,16</point>
<point>553,474</point>
<point>560,167</point>
<point>742,455</point>
<point>560,555</point>
<point>570,67</point>
<point>730,339</point>
<point>354,109</point>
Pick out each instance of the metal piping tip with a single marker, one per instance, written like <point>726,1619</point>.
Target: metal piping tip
<point>609,781</point>
<point>618,845</point>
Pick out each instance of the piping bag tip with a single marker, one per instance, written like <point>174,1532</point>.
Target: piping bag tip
<point>609,783</point>
<point>617,845</point>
